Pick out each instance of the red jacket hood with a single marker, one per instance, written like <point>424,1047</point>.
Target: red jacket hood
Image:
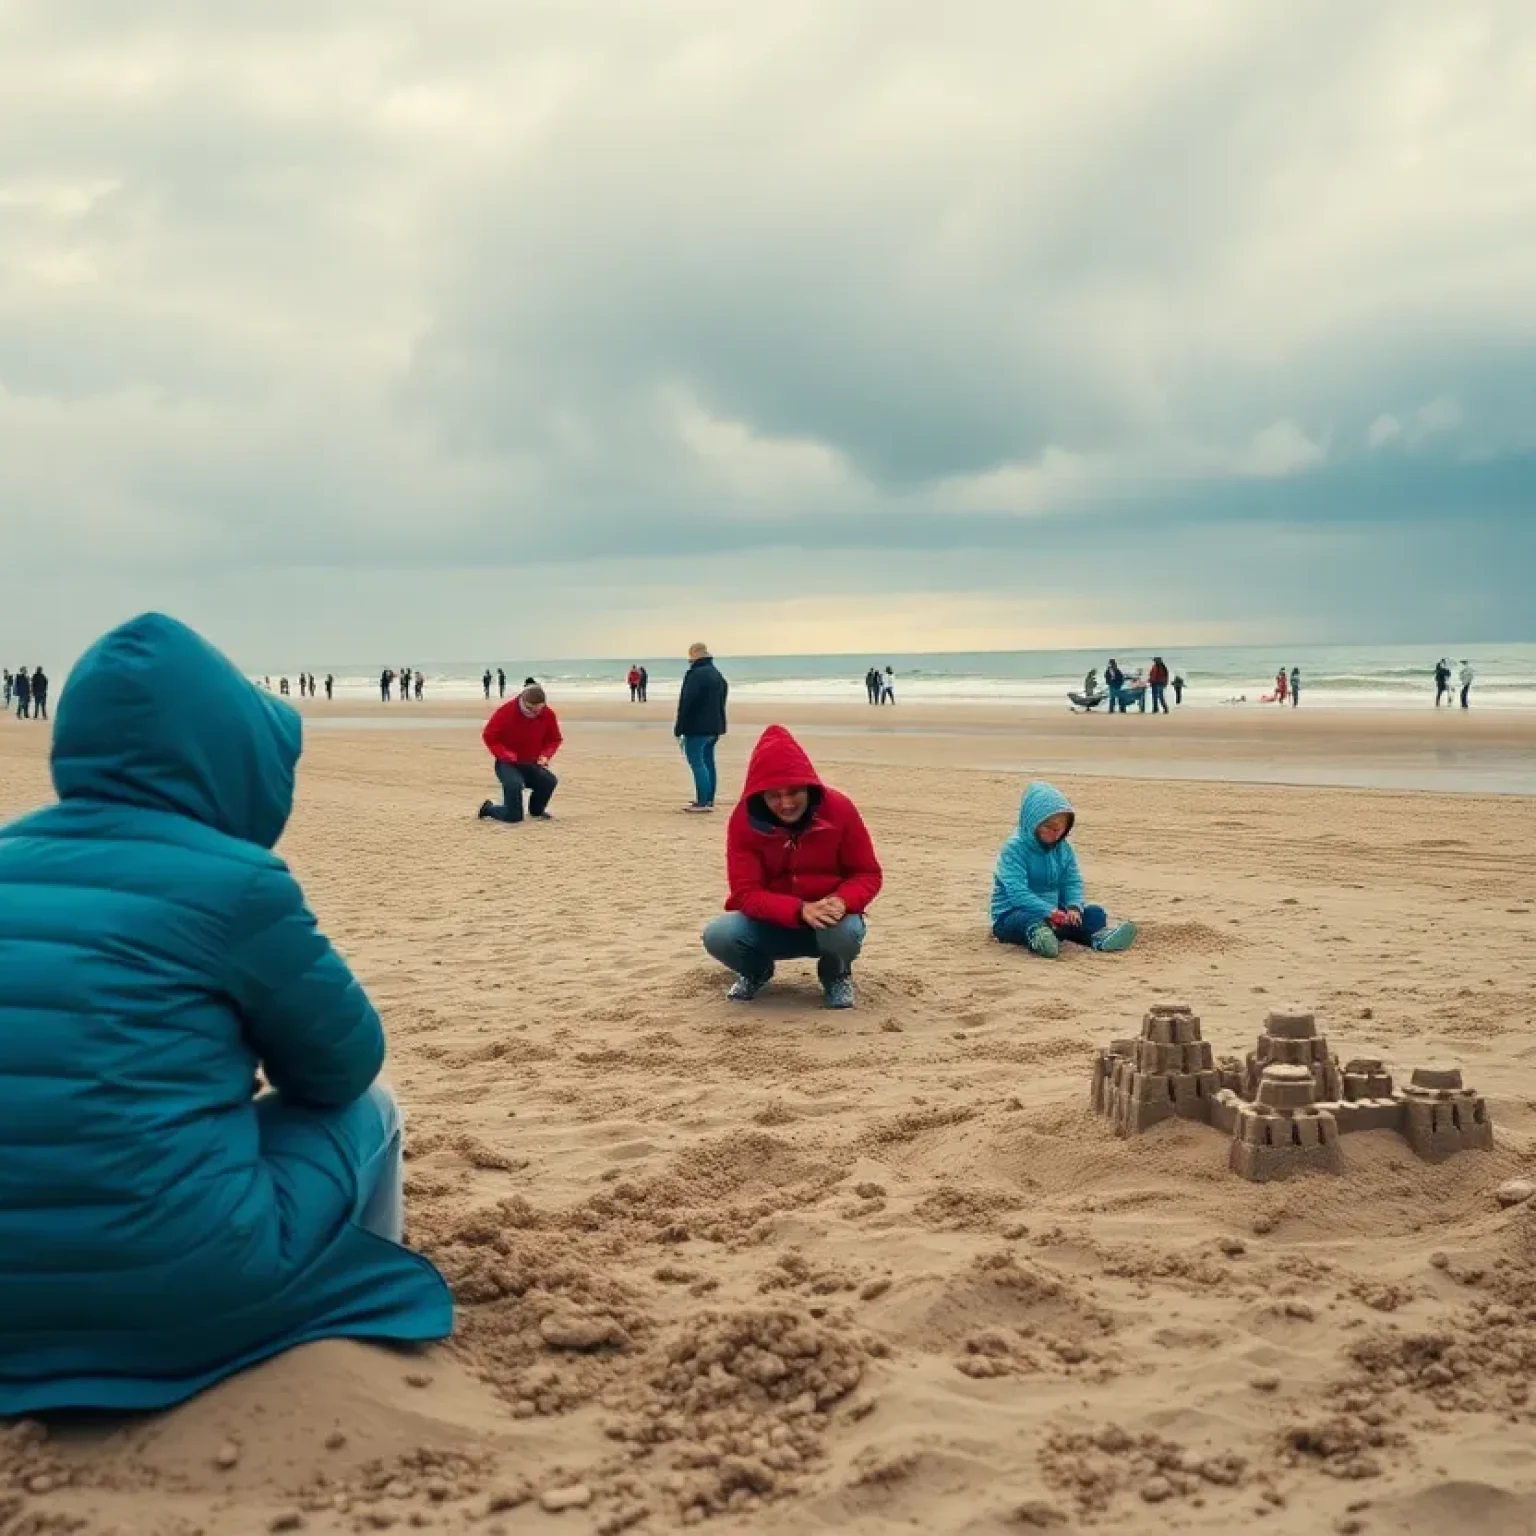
<point>778,761</point>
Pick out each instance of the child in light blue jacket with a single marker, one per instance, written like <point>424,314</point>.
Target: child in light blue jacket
<point>1037,889</point>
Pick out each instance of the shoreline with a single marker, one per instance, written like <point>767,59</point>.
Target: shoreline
<point>1489,754</point>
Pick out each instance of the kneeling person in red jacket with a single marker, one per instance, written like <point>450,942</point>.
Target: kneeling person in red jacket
<point>801,869</point>
<point>523,736</point>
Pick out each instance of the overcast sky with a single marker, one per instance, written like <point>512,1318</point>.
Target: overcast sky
<point>352,328</point>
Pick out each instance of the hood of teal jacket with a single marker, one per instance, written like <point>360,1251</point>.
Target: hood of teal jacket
<point>1040,803</point>
<point>154,716</point>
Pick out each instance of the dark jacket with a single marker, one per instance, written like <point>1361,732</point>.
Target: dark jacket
<point>701,703</point>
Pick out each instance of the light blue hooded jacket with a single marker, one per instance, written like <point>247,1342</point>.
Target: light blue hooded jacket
<point>153,951</point>
<point>1031,878</point>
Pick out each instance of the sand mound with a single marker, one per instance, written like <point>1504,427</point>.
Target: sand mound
<point>735,1408</point>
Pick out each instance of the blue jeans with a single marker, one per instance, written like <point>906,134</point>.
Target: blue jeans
<point>1014,927</point>
<point>751,948</point>
<point>1116,700</point>
<point>700,752</point>
<point>1159,697</point>
<point>356,1150</point>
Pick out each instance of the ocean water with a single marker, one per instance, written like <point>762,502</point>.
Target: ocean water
<point>1333,677</point>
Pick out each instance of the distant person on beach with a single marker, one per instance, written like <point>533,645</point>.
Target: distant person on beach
<point>1157,680</point>
<point>40,694</point>
<point>523,737</point>
<point>872,685</point>
<point>485,681</point>
<point>23,694</point>
<point>887,687</point>
<point>1295,687</point>
<point>1114,681</point>
<point>282,686</point>
<point>1466,683</point>
<point>634,685</point>
<point>330,684</point>
<point>501,683</point>
<point>166,1217</point>
<point>1281,687</point>
<point>386,678</point>
<point>1178,689</point>
<point>405,685</point>
<point>1091,682</point>
<point>645,685</point>
<point>421,683</point>
<point>700,722</point>
<point>1442,681</point>
<point>802,871</point>
<point>10,689</point>
<point>1037,888</point>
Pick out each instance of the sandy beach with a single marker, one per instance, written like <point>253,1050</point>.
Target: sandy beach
<point>785,1270</point>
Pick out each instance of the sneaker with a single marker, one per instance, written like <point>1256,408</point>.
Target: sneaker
<point>1112,940</point>
<point>839,993</point>
<point>485,810</point>
<point>745,988</point>
<point>1042,941</point>
<point>693,808</point>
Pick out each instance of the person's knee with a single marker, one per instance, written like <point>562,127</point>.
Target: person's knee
<point>1094,917</point>
<point>382,1100</point>
<point>725,936</point>
<point>844,939</point>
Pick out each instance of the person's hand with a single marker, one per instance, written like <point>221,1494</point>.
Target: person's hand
<point>542,762</point>
<point>1074,917</point>
<point>818,914</point>
<point>1057,918</point>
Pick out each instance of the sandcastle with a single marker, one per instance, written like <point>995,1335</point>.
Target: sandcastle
<point>1287,1104</point>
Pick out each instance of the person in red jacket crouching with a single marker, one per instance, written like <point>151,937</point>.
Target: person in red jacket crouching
<point>801,869</point>
<point>523,736</point>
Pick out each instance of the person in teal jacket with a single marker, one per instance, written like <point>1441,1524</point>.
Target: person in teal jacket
<point>163,1223</point>
<point>1037,888</point>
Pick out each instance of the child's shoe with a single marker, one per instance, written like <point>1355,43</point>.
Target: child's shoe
<point>1112,940</point>
<point>1043,941</point>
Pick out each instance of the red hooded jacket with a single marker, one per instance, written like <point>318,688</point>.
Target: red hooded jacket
<point>514,738</point>
<point>773,870</point>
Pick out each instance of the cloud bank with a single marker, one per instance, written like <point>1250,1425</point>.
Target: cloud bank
<point>567,327</point>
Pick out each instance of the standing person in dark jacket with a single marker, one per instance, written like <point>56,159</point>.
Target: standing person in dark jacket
<point>501,682</point>
<point>485,682</point>
<point>1157,680</point>
<point>1114,681</point>
<point>23,694</point>
<point>330,685</point>
<point>645,686</point>
<point>523,736</point>
<point>39,695</point>
<point>1178,689</point>
<point>701,722</point>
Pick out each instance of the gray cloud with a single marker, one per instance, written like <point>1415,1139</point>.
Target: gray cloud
<point>288,289</point>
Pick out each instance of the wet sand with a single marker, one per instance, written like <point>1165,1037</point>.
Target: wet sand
<point>884,1270</point>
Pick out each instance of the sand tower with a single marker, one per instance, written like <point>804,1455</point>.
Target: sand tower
<point>1441,1116</point>
<point>1285,1129</point>
<point>1291,1039</point>
<point>1168,1072</point>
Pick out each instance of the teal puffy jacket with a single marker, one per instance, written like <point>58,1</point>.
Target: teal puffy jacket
<point>153,952</point>
<point>1029,877</point>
